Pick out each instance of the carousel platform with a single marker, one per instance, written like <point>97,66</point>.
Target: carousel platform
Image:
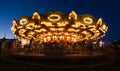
<point>83,59</point>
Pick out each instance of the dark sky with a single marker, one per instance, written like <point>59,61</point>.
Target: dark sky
<point>108,10</point>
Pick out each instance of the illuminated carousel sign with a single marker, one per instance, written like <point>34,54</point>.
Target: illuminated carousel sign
<point>57,26</point>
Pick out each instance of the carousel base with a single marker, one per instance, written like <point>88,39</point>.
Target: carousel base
<point>83,59</point>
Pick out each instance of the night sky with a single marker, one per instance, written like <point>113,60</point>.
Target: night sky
<point>108,10</point>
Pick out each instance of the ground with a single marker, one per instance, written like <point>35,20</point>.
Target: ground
<point>7,64</point>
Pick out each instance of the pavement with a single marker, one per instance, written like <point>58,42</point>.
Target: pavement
<point>8,64</point>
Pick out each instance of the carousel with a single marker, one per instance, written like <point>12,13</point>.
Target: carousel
<point>55,35</point>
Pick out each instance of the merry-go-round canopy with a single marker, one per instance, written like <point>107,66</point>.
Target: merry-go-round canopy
<point>55,25</point>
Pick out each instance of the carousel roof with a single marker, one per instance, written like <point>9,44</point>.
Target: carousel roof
<point>56,24</point>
